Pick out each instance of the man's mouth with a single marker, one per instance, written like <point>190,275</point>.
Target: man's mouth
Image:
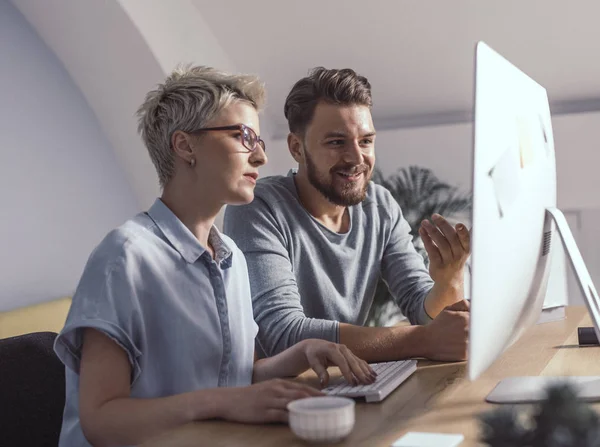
<point>350,176</point>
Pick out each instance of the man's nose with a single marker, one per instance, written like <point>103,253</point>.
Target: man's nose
<point>354,154</point>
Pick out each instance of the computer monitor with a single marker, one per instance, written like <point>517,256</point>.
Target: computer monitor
<point>516,225</point>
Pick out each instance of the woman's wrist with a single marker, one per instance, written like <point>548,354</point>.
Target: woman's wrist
<point>210,403</point>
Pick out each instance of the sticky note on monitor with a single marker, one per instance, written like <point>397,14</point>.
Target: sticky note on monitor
<point>526,143</point>
<point>420,439</point>
<point>506,179</point>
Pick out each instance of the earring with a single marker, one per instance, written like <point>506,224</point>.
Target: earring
<point>192,162</point>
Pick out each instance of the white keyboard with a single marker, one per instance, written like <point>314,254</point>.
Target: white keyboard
<point>389,376</point>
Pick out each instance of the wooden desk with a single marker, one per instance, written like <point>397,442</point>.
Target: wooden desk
<point>437,398</point>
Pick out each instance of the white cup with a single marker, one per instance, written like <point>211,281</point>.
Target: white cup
<point>322,419</point>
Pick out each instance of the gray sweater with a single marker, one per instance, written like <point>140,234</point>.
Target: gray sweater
<point>305,278</point>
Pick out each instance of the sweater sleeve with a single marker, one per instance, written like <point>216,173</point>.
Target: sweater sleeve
<point>403,269</point>
<point>276,300</point>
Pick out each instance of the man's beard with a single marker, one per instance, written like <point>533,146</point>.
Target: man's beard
<point>349,195</point>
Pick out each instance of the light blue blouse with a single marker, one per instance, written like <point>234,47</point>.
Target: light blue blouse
<point>184,319</point>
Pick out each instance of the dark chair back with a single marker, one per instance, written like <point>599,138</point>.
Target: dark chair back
<point>32,391</point>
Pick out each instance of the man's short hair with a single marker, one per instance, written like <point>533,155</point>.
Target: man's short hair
<point>343,87</point>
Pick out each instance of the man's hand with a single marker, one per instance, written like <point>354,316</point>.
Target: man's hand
<point>448,249</point>
<point>266,401</point>
<point>447,335</point>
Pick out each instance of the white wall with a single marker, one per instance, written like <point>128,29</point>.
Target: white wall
<point>62,188</point>
<point>447,150</point>
<point>112,65</point>
<point>116,51</point>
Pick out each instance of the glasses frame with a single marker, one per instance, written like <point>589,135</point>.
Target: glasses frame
<point>242,128</point>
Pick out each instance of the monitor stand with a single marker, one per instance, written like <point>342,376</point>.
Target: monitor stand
<point>532,388</point>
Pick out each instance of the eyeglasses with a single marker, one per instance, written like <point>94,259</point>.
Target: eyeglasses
<point>249,138</point>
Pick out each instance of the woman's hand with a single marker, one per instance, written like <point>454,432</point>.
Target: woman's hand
<point>320,354</point>
<point>265,401</point>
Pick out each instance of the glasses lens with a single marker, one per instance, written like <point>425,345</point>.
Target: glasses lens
<point>249,138</point>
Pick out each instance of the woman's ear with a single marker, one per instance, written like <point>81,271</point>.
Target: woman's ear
<point>295,147</point>
<point>180,141</point>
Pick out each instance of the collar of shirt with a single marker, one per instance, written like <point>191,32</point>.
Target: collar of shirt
<point>182,239</point>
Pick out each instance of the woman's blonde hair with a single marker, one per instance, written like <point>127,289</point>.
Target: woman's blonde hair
<point>187,100</point>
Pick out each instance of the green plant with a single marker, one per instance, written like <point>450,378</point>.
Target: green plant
<point>420,193</point>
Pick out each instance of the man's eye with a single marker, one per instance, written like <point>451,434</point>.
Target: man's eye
<point>335,142</point>
<point>367,141</point>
